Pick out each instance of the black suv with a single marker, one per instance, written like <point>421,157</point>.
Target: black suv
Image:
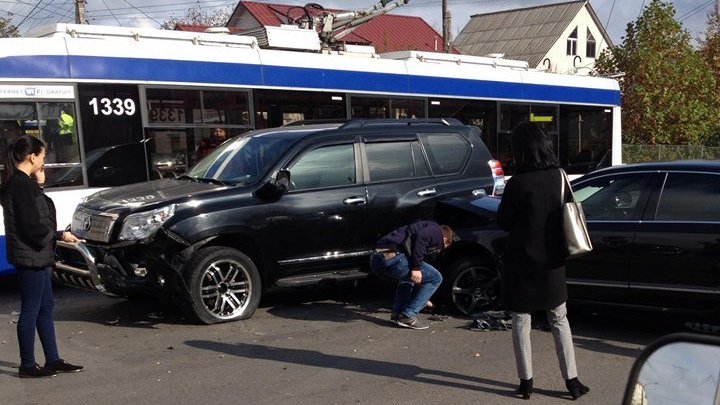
<point>288,206</point>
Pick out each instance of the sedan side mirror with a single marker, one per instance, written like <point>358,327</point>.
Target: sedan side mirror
<point>681,368</point>
<point>276,187</point>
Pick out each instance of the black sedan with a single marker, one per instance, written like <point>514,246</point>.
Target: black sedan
<point>655,229</point>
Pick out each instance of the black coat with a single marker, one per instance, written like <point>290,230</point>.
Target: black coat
<point>533,276</point>
<point>30,224</point>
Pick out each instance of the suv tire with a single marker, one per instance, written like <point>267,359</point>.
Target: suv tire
<point>471,285</point>
<point>224,285</point>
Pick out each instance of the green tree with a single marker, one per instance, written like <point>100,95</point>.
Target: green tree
<point>217,17</point>
<point>7,29</point>
<point>669,94</point>
<point>711,45</point>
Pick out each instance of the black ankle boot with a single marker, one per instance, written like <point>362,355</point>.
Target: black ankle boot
<point>576,388</point>
<point>525,388</point>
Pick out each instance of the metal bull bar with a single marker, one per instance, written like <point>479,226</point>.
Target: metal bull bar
<point>86,277</point>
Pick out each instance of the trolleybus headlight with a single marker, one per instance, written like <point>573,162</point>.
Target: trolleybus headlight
<point>144,224</point>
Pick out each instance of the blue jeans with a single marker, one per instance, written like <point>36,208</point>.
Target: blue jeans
<point>410,299</point>
<point>36,311</point>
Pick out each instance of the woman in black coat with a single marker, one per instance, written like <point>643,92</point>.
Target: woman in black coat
<point>30,235</point>
<point>533,278</point>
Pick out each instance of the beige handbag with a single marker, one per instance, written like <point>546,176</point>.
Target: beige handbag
<point>577,238</point>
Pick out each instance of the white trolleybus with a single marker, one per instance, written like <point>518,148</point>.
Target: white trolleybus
<point>123,105</point>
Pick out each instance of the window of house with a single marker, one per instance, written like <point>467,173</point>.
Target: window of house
<point>590,46</point>
<point>572,43</point>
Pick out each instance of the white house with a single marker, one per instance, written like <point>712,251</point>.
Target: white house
<point>562,37</point>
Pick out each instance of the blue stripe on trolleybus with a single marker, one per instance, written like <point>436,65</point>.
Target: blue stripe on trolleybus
<point>5,267</point>
<point>161,70</point>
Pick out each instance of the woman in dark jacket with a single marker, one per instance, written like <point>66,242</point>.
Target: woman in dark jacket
<point>30,232</point>
<point>533,277</point>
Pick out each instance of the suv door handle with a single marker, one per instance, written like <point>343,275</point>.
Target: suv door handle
<point>429,192</point>
<point>357,200</point>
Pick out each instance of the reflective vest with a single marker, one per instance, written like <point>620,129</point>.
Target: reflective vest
<point>67,126</point>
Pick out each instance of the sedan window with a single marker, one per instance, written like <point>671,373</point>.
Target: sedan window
<point>612,198</point>
<point>690,197</point>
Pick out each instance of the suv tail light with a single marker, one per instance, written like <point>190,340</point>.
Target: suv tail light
<point>498,176</point>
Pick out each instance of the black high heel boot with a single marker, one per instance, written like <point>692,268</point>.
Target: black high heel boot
<point>576,388</point>
<point>525,388</point>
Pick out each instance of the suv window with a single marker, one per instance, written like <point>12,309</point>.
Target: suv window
<point>447,153</point>
<point>326,166</point>
<point>690,197</point>
<point>395,160</point>
<point>612,198</point>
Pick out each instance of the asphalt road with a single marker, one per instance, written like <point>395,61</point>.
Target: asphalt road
<point>321,345</point>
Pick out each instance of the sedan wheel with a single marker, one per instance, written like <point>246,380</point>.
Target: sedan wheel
<point>472,287</point>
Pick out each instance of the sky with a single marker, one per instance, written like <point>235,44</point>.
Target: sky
<point>614,14</point>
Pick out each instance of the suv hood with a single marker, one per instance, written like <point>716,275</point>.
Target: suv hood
<point>123,198</point>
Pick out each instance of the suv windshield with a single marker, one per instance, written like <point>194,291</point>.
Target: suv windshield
<point>242,160</point>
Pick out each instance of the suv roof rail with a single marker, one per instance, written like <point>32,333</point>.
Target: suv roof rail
<point>317,121</point>
<point>360,123</point>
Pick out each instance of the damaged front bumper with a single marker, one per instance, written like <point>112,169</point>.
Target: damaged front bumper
<point>78,268</point>
<point>122,269</point>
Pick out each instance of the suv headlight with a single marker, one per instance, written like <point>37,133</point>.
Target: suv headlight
<point>144,224</point>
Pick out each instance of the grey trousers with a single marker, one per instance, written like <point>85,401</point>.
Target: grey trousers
<point>521,326</point>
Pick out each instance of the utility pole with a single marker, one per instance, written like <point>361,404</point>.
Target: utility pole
<point>80,12</point>
<point>446,26</point>
<point>717,8</point>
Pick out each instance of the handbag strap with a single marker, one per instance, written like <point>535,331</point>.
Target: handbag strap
<point>565,184</point>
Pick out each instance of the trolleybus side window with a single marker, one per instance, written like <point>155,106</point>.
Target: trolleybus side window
<point>54,123</point>
<point>112,134</point>
<point>186,125</point>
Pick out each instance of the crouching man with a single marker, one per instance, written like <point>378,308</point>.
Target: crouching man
<point>400,255</point>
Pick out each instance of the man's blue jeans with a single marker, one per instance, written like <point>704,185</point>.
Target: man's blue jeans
<point>36,311</point>
<point>410,299</point>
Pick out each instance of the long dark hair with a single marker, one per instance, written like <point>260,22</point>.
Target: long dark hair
<point>18,151</point>
<point>532,148</point>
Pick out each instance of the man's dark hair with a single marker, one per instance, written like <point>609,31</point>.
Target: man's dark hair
<point>532,148</point>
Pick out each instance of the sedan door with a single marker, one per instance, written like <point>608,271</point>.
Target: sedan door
<point>613,206</point>
<point>676,262</point>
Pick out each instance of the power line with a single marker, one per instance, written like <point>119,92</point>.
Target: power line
<point>28,15</point>
<point>111,13</point>
<point>695,11</point>
<point>158,22</point>
<point>607,23</point>
<point>641,8</point>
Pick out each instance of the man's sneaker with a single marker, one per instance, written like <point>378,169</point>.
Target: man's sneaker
<point>394,316</point>
<point>412,323</point>
<point>36,372</point>
<point>62,366</point>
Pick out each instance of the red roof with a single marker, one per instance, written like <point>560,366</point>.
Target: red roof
<point>387,33</point>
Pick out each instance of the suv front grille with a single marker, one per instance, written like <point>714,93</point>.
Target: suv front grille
<point>93,225</point>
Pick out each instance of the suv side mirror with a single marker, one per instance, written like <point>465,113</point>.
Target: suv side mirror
<point>681,368</point>
<point>276,187</point>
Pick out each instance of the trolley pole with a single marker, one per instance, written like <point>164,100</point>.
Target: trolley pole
<point>80,12</point>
